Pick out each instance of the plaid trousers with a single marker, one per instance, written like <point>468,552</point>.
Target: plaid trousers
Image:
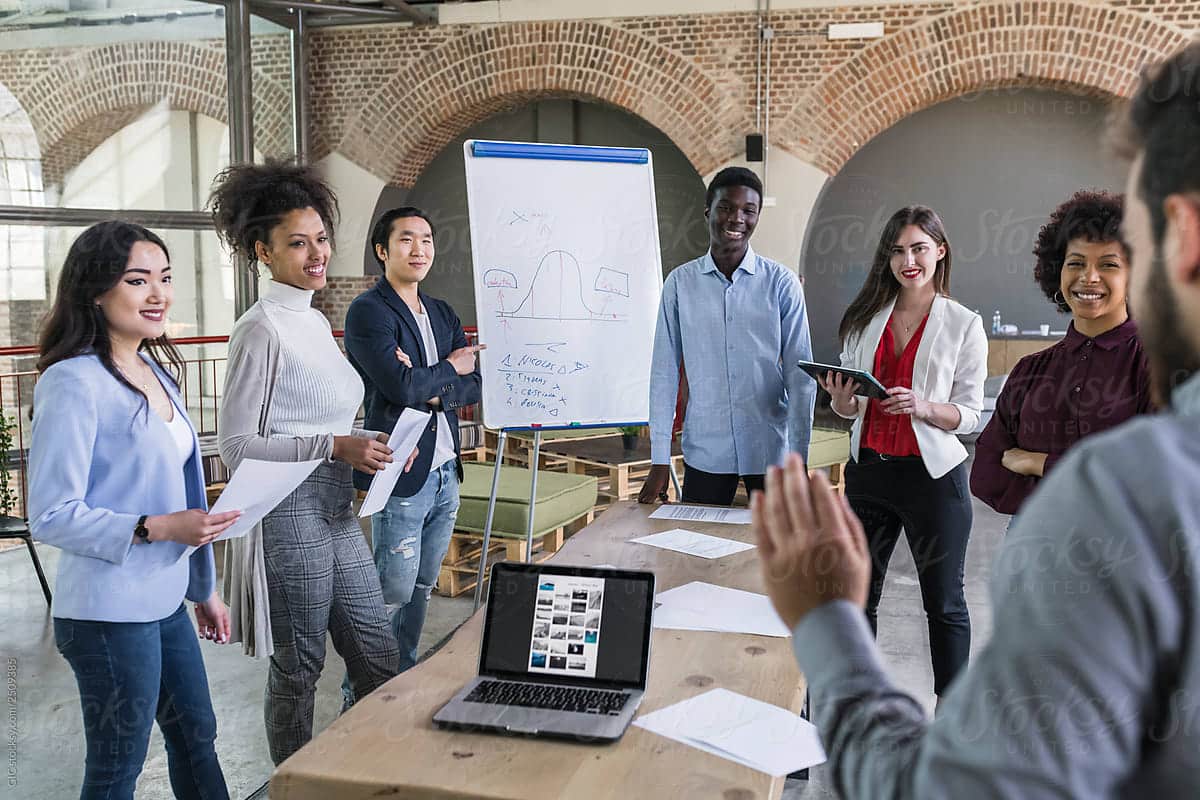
<point>320,578</point>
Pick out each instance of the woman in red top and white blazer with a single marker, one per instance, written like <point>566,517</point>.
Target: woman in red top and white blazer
<point>908,465</point>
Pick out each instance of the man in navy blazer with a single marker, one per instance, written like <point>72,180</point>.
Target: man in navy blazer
<point>411,352</point>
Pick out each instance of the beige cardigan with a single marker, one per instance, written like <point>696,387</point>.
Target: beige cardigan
<point>243,427</point>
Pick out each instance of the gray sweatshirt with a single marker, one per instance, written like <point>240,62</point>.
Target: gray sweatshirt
<point>1090,686</point>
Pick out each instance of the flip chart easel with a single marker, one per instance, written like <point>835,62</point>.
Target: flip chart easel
<point>568,276</point>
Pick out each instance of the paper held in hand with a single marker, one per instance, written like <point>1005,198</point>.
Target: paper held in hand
<point>255,488</point>
<point>409,427</point>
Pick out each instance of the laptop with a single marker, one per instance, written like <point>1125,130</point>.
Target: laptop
<point>564,654</point>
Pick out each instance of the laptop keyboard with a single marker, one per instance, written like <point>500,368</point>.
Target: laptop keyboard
<point>557,698</point>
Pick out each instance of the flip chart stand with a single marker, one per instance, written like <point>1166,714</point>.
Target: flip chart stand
<point>534,458</point>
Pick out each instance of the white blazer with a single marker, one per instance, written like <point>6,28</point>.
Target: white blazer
<point>951,366</point>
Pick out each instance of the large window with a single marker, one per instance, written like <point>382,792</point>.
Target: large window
<point>22,257</point>
<point>129,109</point>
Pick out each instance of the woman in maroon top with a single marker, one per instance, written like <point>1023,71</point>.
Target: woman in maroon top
<point>908,469</point>
<point>1094,379</point>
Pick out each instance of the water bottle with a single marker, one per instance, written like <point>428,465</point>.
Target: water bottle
<point>996,322</point>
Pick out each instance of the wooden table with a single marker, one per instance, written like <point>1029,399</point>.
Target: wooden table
<point>387,746</point>
<point>625,470</point>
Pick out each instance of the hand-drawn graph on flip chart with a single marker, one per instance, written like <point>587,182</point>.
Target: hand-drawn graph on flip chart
<point>567,281</point>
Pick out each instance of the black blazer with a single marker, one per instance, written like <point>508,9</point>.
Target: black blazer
<point>377,323</point>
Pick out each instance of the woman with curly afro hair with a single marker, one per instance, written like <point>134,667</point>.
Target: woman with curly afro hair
<point>1094,379</point>
<point>290,395</point>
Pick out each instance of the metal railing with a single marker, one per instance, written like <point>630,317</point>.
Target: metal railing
<point>200,384</point>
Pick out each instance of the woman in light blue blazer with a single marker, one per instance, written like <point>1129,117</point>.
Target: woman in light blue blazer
<point>115,482</point>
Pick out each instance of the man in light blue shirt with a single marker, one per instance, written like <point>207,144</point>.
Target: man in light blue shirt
<point>734,322</point>
<point>1090,686</point>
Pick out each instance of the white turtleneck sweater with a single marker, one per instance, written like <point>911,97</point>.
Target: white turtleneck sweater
<point>316,388</point>
<point>288,390</point>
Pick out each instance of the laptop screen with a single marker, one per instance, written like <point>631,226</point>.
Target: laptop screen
<point>568,624</point>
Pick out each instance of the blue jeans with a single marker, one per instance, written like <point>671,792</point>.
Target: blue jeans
<point>131,674</point>
<point>410,537</point>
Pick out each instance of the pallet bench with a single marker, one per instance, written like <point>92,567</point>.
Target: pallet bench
<point>565,504</point>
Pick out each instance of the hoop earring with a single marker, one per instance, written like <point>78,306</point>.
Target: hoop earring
<point>1058,298</point>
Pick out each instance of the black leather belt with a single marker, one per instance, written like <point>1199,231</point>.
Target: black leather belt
<point>866,454</point>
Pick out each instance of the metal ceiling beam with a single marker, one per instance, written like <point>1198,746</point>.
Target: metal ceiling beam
<point>82,217</point>
<point>418,17</point>
<point>375,13</point>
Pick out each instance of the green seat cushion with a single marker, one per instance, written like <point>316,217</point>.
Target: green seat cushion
<point>828,447</point>
<point>561,498</point>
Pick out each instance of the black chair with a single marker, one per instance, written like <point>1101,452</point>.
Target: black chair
<point>17,528</point>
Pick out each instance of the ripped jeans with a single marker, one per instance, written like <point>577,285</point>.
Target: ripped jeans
<point>410,537</point>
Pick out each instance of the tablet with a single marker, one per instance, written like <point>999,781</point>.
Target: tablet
<point>867,385</point>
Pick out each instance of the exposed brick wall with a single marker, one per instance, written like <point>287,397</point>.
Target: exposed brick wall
<point>391,97</point>
<point>334,300</point>
<point>77,97</point>
<point>1086,49</point>
<point>484,69</point>
<point>75,145</point>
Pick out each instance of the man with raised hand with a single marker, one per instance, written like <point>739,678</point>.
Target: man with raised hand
<point>1090,686</point>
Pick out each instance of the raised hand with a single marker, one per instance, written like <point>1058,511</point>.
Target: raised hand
<point>811,545</point>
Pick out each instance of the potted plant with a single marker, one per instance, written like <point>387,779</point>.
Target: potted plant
<point>8,494</point>
<point>629,437</point>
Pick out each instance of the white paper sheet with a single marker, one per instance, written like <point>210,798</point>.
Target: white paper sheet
<point>732,516</point>
<point>405,435</point>
<point>693,543</point>
<point>255,488</point>
<point>739,728</point>
<point>703,606</point>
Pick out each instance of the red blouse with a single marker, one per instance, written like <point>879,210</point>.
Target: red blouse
<point>892,434</point>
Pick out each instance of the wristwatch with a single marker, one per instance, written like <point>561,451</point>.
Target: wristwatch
<point>140,530</point>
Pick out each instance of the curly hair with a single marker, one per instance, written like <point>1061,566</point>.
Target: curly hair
<point>249,200</point>
<point>1092,215</point>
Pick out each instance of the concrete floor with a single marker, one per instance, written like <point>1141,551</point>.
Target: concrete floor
<point>42,701</point>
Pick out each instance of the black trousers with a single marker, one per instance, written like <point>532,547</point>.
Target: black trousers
<point>890,494</point>
<point>713,488</point>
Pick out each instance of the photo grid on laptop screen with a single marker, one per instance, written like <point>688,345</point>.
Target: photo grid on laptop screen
<point>543,623</point>
<point>567,625</point>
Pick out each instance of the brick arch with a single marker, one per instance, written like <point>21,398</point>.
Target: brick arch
<point>74,146</point>
<point>430,101</point>
<point>1086,49</point>
<point>88,97</point>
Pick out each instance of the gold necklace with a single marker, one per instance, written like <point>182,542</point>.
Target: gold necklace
<point>131,379</point>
